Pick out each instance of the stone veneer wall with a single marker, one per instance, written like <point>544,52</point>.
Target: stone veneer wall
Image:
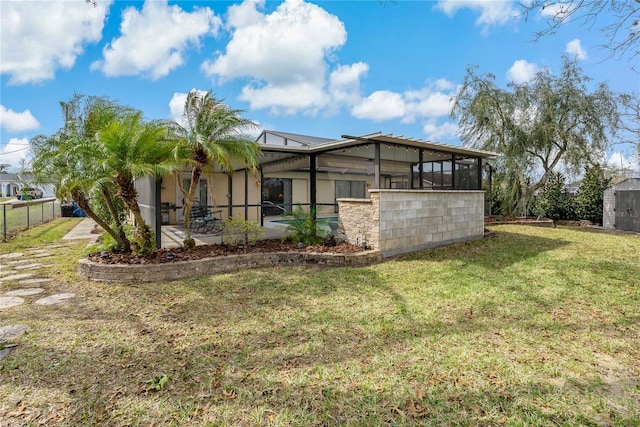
<point>403,221</point>
<point>178,270</point>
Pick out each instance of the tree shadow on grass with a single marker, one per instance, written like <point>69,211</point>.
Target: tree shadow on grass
<point>498,251</point>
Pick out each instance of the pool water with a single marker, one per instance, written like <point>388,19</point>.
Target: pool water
<point>290,220</point>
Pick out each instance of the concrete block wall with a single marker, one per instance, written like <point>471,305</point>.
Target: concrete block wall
<point>404,221</point>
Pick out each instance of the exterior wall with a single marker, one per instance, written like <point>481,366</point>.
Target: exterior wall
<point>608,208</point>
<point>609,205</point>
<point>403,221</point>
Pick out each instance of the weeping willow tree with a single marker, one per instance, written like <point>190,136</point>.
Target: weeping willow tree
<point>538,127</point>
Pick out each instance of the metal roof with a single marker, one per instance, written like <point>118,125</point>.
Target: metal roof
<point>318,145</point>
<point>305,140</point>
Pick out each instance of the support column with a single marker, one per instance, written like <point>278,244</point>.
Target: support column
<point>376,165</point>
<point>421,169</point>
<point>229,195</point>
<point>246,194</point>
<point>453,171</point>
<point>158,211</point>
<point>312,183</point>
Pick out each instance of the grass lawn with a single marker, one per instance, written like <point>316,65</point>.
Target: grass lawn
<point>537,326</point>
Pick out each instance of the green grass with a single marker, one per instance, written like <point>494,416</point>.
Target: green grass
<point>534,327</point>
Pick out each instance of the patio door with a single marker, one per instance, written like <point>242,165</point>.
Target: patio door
<point>201,196</point>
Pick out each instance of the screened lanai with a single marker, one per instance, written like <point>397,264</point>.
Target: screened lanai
<point>310,171</point>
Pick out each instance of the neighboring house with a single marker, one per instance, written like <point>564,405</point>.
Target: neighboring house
<point>312,171</point>
<point>8,185</point>
<point>11,183</point>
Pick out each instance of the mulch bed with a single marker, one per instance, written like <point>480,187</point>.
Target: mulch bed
<point>209,251</point>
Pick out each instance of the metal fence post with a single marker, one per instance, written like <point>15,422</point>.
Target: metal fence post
<point>4,221</point>
<point>28,225</point>
<point>42,212</point>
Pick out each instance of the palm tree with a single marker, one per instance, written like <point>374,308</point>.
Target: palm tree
<point>212,134</point>
<point>130,148</point>
<point>67,158</point>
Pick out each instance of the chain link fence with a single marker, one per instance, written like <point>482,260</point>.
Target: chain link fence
<point>17,217</point>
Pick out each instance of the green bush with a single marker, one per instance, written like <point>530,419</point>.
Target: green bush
<point>238,230</point>
<point>305,228</point>
<point>589,199</point>
<point>554,202</point>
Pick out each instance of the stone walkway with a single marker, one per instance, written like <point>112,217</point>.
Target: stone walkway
<point>25,270</point>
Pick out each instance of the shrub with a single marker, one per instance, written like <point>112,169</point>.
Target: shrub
<point>238,230</point>
<point>554,202</point>
<point>589,199</point>
<point>304,227</point>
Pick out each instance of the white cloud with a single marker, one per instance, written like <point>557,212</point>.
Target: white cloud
<point>38,38</point>
<point>380,105</point>
<point>12,121</point>
<point>619,160</point>
<point>14,151</point>
<point>557,11</point>
<point>492,12</point>
<point>245,14</point>
<point>344,83</point>
<point>285,53</point>
<point>434,100</point>
<point>436,132</point>
<point>522,71</point>
<point>574,47</point>
<point>154,40</point>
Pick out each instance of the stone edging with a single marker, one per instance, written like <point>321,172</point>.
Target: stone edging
<point>179,270</point>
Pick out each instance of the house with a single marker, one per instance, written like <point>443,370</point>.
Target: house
<point>11,183</point>
<point>8,185</point>
<point>329,174</point>
<point>312,171</point>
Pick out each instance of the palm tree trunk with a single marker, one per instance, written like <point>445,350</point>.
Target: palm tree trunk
<point>123,242</point>
<point>196,172</point>
<point>129,194</point>
<point>82,201</point>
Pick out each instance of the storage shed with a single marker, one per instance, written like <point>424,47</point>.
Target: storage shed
<point>621,208</point>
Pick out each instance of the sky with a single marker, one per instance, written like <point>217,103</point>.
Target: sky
<point>322,68</point>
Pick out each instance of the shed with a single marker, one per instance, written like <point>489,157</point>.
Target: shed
<point>621,209</point>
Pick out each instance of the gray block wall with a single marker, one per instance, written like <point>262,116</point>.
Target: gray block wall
<point>404,221</point>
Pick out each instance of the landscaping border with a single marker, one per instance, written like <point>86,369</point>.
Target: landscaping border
<point>178,270</point>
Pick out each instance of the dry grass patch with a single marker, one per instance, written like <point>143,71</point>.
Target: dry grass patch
<point>534,327</point>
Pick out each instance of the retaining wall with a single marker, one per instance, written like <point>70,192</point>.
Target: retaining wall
<point>179,270</point>
<point>403,221</point>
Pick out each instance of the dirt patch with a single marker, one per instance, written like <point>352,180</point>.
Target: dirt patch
<point>210,251</point>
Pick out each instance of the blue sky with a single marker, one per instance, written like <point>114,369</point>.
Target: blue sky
<point>323,68</point>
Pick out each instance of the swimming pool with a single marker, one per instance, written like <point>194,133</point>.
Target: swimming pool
<point>288,221</point>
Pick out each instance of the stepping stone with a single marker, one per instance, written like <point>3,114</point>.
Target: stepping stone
<point>16,277</point>
<point>56,246</point>
<point>6,272</point>
<point>41,255</point>
<point>36,251</point>
<point>11,255</point>
<point>29,266</point>
<point>18,261</point>
<point>55,299</point>
<point>34,281</point>
<point>10,332</point>
<point>8,302</point>
<point>24,292</point>
<point>4,352</point>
